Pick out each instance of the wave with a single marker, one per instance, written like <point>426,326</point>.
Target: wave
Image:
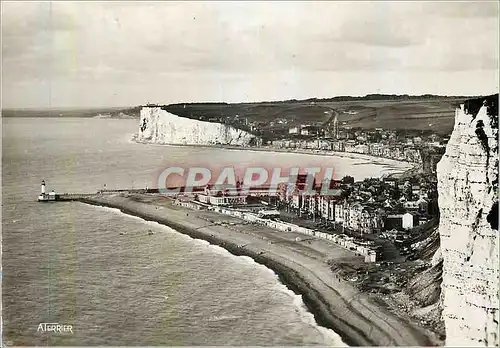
<point>224,317</point>
<point>330,336</point>
<point>306,317</point>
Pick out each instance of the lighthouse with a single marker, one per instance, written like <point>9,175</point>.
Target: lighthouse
<point>44,197</point>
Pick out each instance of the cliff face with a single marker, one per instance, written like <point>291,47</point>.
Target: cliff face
<point>159,126</point>
<point>468,201</point>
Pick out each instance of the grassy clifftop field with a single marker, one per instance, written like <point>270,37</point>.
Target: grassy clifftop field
<point>426,113</point>
<point>431,113</point>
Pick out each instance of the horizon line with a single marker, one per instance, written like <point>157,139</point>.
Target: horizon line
<point>245,102</point>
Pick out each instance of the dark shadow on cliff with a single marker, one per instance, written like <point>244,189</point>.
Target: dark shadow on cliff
<point>492,217</point>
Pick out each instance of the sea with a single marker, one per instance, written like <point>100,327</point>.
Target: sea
<point>99,270</point>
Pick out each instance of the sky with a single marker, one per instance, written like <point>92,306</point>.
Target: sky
<point>97,54</point>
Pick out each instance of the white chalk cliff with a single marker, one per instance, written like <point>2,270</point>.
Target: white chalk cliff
<point>468,202</point>
<point>162,127</point>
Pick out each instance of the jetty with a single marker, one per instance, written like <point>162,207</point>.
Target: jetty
<point>53,196</point>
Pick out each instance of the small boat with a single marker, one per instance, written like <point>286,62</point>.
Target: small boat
<point>150,232</point>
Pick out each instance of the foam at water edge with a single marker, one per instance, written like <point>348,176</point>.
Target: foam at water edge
<point>331,336</point>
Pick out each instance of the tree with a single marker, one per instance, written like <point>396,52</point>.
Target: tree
<point>396,193</point>
<point>345,194</point>
<point>348,180</point>
<point>375,137</point>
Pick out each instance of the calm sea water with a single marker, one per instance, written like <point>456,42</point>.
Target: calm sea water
<point>68,263</point>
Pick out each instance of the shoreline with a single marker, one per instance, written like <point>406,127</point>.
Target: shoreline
<point>357,321</point>
<point>383,161</point>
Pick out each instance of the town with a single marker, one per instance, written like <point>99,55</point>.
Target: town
<point>423,147</point>
<point>367,217</point>
<point>392,144</point>
<point>384,218</point>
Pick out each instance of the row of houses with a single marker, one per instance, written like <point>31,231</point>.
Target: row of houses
<point>304,130</point>
<point>398,152</point>
<point>344,241</point>
<point>358,213</point>
<point>357,217</point>
<point>404,153</point>
<point>368,206</point>
<point>310,144</point>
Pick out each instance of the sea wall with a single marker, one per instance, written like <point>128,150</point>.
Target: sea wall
<point>162,127</point>
<point>468,201</point>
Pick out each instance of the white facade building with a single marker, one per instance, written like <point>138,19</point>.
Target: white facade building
<point>407,221</point>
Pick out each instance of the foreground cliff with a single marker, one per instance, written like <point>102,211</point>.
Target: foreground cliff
<point>468,201</point>
<point>160,126</point>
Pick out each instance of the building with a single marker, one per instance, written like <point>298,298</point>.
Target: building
<point>324,145</point>
<point>309,130</point>
<point>340,212</point>
<point>390,181</point>
<point>46,197</point>
<point>226,198</point>
<point>415,190</point>
<point>423,206</point>
<point>371,256</point>
<point>312,204</point>
<point>338,146</point>
<point>411,205</point>
<point>353,218</point>
<point>394,221</point>
<point>408,220</point>
<point>268,214</point>
<point>187,202</point>
<point>283,191</point>
<point>326,205</point>
<point>221,200</point>
<point>293,130</point>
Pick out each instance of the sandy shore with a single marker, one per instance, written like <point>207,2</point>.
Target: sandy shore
<point>301,265</point>
<point>397,165</point>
